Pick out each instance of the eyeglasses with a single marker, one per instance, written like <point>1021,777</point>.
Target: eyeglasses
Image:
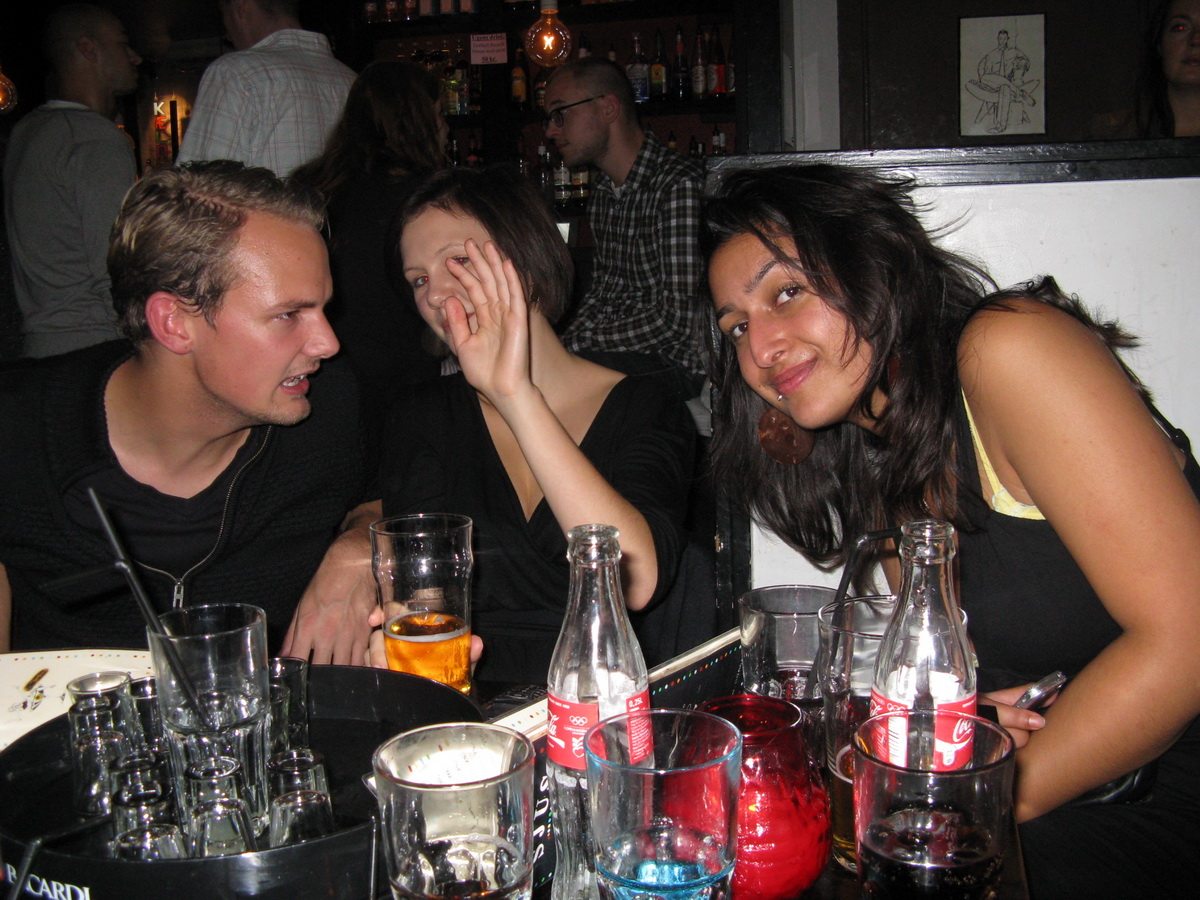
<point>555,117</point>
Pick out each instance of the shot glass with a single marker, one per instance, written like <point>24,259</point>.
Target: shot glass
<point>299,816</point>
<point>114,687</point>
<point>289,703</point>
<point>663,792</point>
<point>456,810</point>
<point>134,808</point>
<point>300,769</point>
<point>149,843</point>
<point>422,566</point>
<point>223,650</point>
<point>220,828</point>
<point>933,833</point>
<point>94,754</point>
<point>851,631</point>
<point>144,693</point>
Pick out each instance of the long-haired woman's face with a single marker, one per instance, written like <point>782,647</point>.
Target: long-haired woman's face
<point>1180,44</point>
<point>793,348</point>
<point>429,240</point>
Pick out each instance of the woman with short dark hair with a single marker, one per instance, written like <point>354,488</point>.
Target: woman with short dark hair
<point>528,439</point>
<point>867,377</point>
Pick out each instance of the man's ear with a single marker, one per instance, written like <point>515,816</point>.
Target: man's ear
<point>171,321</point>
<point>87,48</point>
<point>610,107</point>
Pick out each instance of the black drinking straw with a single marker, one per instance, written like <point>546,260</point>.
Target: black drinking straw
<point>124,565</point>
<point>855,558</point>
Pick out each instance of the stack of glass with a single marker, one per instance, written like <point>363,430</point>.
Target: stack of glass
<point>235,778</point>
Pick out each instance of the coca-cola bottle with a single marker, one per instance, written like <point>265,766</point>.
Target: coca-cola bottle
<point>597,671</point>
<point>924,660</point>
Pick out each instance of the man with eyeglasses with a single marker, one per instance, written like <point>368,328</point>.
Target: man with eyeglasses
<point>645,218</point>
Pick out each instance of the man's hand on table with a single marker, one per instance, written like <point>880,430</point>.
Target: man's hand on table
<point>331,621</point>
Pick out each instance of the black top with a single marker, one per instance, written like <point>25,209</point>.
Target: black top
<point>439,457</point>
<point>280,510</point>
<point>1031,611</point>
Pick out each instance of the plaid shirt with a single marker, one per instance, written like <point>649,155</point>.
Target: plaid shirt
<point>644,294</point>
<point>273,104</point>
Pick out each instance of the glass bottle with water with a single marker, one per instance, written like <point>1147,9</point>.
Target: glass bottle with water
<point>597,671</point>
<point>924,661</point>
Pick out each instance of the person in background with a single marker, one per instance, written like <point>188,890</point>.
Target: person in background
<point>390,137</point>
<point>225,480</point>
<point>1169,80</point>
<point>67,167</point>
<point>917,393</point>
<point>528,439</point>
<point>274,101</point>
<point>644,211</point>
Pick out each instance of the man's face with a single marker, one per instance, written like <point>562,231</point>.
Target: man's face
<point>117,61</point>
<point>269,333</point>
<point>583,136</point>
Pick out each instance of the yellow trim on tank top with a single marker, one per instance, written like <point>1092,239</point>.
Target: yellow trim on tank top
<point>1002,501</point>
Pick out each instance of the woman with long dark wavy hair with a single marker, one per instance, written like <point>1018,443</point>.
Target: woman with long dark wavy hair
<point>391,136</point>
<point>867,377</point>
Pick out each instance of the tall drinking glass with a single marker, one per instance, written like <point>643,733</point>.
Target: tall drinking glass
<point>223,650</point>
<point>851,631</point>
<point>663,790</point>
<point>422,565</point>
<point>933,833</point>
<point>456,809</point>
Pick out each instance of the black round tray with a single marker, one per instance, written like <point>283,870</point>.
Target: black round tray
<point>351,712</point>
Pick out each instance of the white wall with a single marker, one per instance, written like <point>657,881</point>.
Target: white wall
<point>1127,248</point>
<point>811,116</point>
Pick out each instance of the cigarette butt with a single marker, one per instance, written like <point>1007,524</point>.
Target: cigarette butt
<point>37,676</point>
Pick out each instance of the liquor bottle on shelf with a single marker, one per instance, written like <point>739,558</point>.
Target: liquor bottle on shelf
<point>519,82</point>
<point>638,71</point>
<point>539,89</point>
<point>452,152</point>
<point>427,8</point>
<point>581,186</point>
<point>730,69</point>
<point>585,46</point>
<point>612,52</point>
<point>391,11</point>
<point>544,174</point>
<point>714,81</point>
<point>462,74</point>
<point>718,143</point>
<point>451,88</point>
<point>562,185</point>
<point>672,143</point>
<point>699,66</point>
<point>681,77</point>
<point>596,671</point>
<point>924,659</point>
<point>371,11</point>
<point>658,68</point>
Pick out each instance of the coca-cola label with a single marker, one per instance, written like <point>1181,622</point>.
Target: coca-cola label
<point>570,721</point>
<point>952,736</point>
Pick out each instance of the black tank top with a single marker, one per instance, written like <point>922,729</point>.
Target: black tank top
<point>1030,609</point>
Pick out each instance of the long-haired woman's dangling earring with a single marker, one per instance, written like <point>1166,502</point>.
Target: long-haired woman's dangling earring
<point>782,439</point>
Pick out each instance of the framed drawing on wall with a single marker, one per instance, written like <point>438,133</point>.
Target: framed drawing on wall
<point>1002,75</point>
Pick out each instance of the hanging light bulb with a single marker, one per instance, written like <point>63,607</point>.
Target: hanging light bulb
<point>8,93</point>
<point>548,42</point>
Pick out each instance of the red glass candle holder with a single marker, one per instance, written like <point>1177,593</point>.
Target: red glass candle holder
<point>783,824</point>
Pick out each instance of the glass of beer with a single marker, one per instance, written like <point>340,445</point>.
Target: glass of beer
<point>422,566</point>
<point>851,631</point>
